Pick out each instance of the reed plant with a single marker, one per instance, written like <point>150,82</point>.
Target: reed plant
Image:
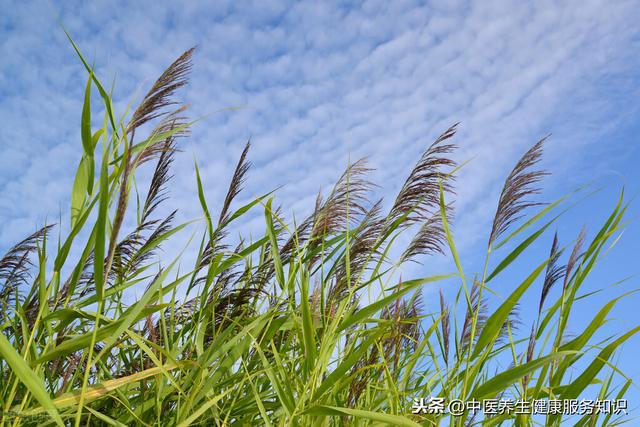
<point>306,324</point>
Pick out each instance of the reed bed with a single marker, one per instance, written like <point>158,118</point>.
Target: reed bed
<point>306,324</point>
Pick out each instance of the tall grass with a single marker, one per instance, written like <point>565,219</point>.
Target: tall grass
<point>306,324</point>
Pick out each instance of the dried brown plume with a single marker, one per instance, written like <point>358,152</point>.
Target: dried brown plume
<point>159,96</point>
<point>421,190</point>
<point>553,272</point>
<point>575,255</point>
<point>519,184</point>
<point>445,324</point>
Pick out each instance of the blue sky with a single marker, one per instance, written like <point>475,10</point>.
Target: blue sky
<point>319,83</point>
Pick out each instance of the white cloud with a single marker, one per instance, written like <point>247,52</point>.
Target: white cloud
<point>319,83</point>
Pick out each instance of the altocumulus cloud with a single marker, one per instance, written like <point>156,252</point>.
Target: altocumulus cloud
<point>318,83</point>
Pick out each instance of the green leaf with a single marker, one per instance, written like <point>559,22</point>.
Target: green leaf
<point>203,408</point>
<point>530,222</point>
<point>101,225</point>
<point>286,398</point>
<point>98,391</point>
<point>573,390</point>
<point>388,419</point>
<point>503,381</point>
<point>275,251</point>
<point>29,378</point>
<point>308,330</point>
<point>338,373</point>
<point>598,320</point>
<point>110,421</point>
<point>133,313</point>
<point>85,128</point>
<point>518,250</point>
<point>63,252</point>
<point>78,342</point>
<point>494,323</point>
<point>447,232</point>
<point>203,204</point>
<point>374,307</point>
<point>103,93</point>
<point>80,186</point>
<point>244,209</point>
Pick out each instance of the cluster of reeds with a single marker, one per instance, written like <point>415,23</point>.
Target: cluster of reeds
<point>304,325</point>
